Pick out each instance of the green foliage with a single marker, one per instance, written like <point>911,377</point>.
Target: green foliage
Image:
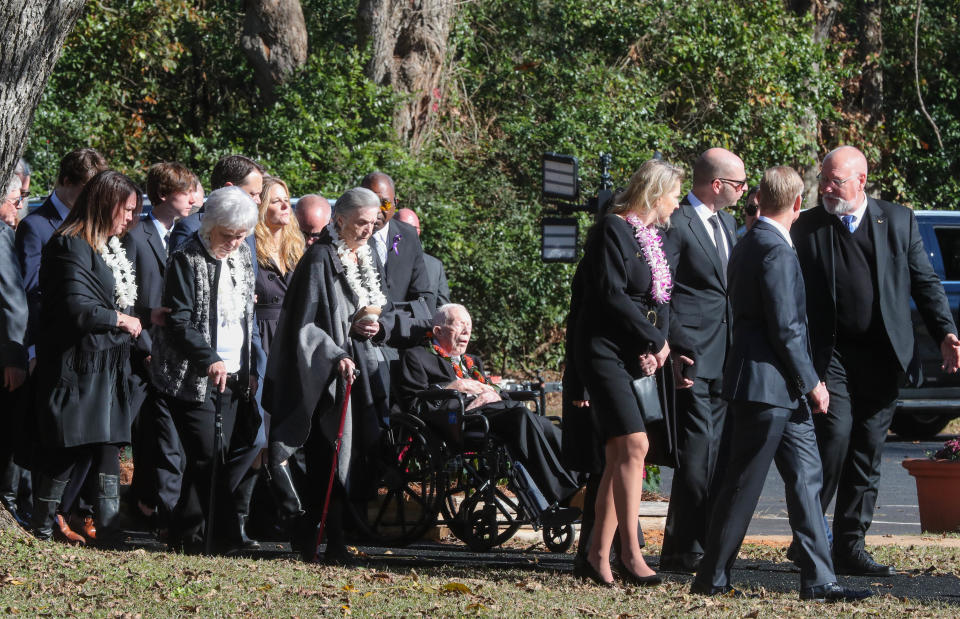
<point>166,79</point>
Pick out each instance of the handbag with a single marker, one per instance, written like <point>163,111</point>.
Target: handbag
<point>647,392</point>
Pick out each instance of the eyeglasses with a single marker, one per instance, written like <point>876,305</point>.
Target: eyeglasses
<point>833,182</point>
<point>24,194</point>
<point>750,209</point>
<point>15,201</point>
<point>313,236</point>
<point>737,185</point>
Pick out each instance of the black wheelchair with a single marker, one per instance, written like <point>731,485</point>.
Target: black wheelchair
<point>447,467</point>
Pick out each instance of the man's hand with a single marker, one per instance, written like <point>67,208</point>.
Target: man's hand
<point>661,356</point>
<point>13,377</point>
<point>158,316</point>
<point>217,372</point>
<point>819,399</point>
<point>346,368</point>
<point>469,386</point>
<point>487,397</point>
<point>581,403</point>
<point>365,328</point>
<point>679,362</point>
<point>950,351</point>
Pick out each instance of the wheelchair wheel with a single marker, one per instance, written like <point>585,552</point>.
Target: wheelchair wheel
<point>404,505</point>
<point>558,538</point>
<point>488,518</point>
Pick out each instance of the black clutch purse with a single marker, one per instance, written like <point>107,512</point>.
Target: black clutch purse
<point>647,392</point>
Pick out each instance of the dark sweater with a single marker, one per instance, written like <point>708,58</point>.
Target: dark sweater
<point>858,309</point>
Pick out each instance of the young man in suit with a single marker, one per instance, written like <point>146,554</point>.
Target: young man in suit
<point>435,273</point>
<point>156,447</point>
<point>863,260</point>
<point>769,371</point>
<point>397,248</point>
<point>697,246</point>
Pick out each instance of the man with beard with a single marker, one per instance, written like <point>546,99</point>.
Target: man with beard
<point>863,260</point>
<point>698,246</point>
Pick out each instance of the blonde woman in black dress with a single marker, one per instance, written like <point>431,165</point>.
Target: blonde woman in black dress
<point>620,335</point>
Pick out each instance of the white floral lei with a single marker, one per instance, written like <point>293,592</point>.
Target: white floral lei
<point>362,276</point>
<point>125,286</point>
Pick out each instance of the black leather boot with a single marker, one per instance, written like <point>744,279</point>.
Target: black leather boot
<point>107,509</point>
<point>46,499</point>
<point>9,489</point>
<point>284,493</point>
<point>241,504</point>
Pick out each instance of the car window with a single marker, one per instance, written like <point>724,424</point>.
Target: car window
<point>949,240</point>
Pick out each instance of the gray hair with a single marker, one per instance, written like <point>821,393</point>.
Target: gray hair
<point>354,200</point>
<point>444,314</point>
<point>229,208</point>
<point>13,184</point>
<point>22,169</point>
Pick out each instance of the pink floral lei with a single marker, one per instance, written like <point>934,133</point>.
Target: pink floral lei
<point>652,246</point>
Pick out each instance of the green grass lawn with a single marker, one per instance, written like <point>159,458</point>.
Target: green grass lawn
<point>49,579</point>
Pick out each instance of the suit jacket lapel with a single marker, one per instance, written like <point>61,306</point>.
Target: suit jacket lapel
<point>729,227</point>
<point>878,227</point>
<point>150,229</point>
<point>824,236</point>
<point>703,237</point>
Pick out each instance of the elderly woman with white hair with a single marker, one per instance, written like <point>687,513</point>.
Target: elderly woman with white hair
<point>201,357</point>
<point>334,318</point>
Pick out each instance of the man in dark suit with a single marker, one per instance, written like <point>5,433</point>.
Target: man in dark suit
<point>313,214</point>
<point>443,363</point>
<point>863,259</point>
<point>435,273</point>
<point>76,168</point>
<point>13,353</point>
<point>697,246</point>
<point>156,447</point>
<point>769,370</point>
<point>397,248</point>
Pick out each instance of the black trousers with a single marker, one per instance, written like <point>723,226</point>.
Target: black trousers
<point>701,417</point>
<point>163,457</point>
<point>760,435</point>
<point>863,385</point>
<point>15,481</point>
<point>102,458</point>
<point>195,424</point>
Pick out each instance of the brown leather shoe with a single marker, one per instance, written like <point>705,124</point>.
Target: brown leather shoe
<point>89,530</point>
<point>63,533</point>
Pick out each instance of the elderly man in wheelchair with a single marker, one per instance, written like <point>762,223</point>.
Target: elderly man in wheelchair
<point>440,367</point>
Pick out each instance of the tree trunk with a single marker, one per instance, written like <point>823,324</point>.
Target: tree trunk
<point>9,523</point>
<point>274,40</point>
<point>870,46</point>
<point>409,44</point>
<point>31,41</point>
<point>824,15</point>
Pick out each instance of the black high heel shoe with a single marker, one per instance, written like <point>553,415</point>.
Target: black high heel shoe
<point>587,571</point>
<point>624,573</point>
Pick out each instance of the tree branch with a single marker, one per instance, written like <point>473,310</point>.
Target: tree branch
<point>916,75</point>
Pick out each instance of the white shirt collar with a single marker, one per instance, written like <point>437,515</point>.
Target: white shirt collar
<point>705,213</point>
<point>779,227</point>
<point>161,230</point>
<point>381,234</point>
<point>857,214</point>
<point>58,204</point>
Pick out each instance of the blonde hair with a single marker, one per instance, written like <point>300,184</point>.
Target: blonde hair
<point>651,180</point>
<point>779,189</point>
<point>287,253</point>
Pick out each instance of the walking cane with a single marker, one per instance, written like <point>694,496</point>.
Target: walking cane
<point>217,448</point>
<point>333,468</point>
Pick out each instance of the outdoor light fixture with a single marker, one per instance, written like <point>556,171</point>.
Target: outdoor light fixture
<point>559,239</point>
<point>560,181</point>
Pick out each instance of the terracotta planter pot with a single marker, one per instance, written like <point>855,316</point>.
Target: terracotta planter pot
<point>938,493</point>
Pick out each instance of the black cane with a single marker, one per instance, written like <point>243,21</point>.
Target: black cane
<point>214,465</point>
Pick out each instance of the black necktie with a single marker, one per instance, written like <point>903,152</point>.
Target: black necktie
<point>721,247</point>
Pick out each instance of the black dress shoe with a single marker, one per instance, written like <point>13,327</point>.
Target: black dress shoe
<point>861,564</point>
<point>629,577</point>
<point>681,564</point>
<point>586,571</point>
<point>832,592</point>
<point>725,591</point>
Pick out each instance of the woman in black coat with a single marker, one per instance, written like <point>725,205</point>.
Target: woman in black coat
<point>83,353</point>
<point>619,319</point>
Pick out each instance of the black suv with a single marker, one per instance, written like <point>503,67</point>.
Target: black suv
<point>930,398</point>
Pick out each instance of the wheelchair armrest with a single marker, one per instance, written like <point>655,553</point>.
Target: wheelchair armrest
<point>525,395</point>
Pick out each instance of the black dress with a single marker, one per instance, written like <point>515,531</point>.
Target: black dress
<point>271,288</point>
<point>616,322</point>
